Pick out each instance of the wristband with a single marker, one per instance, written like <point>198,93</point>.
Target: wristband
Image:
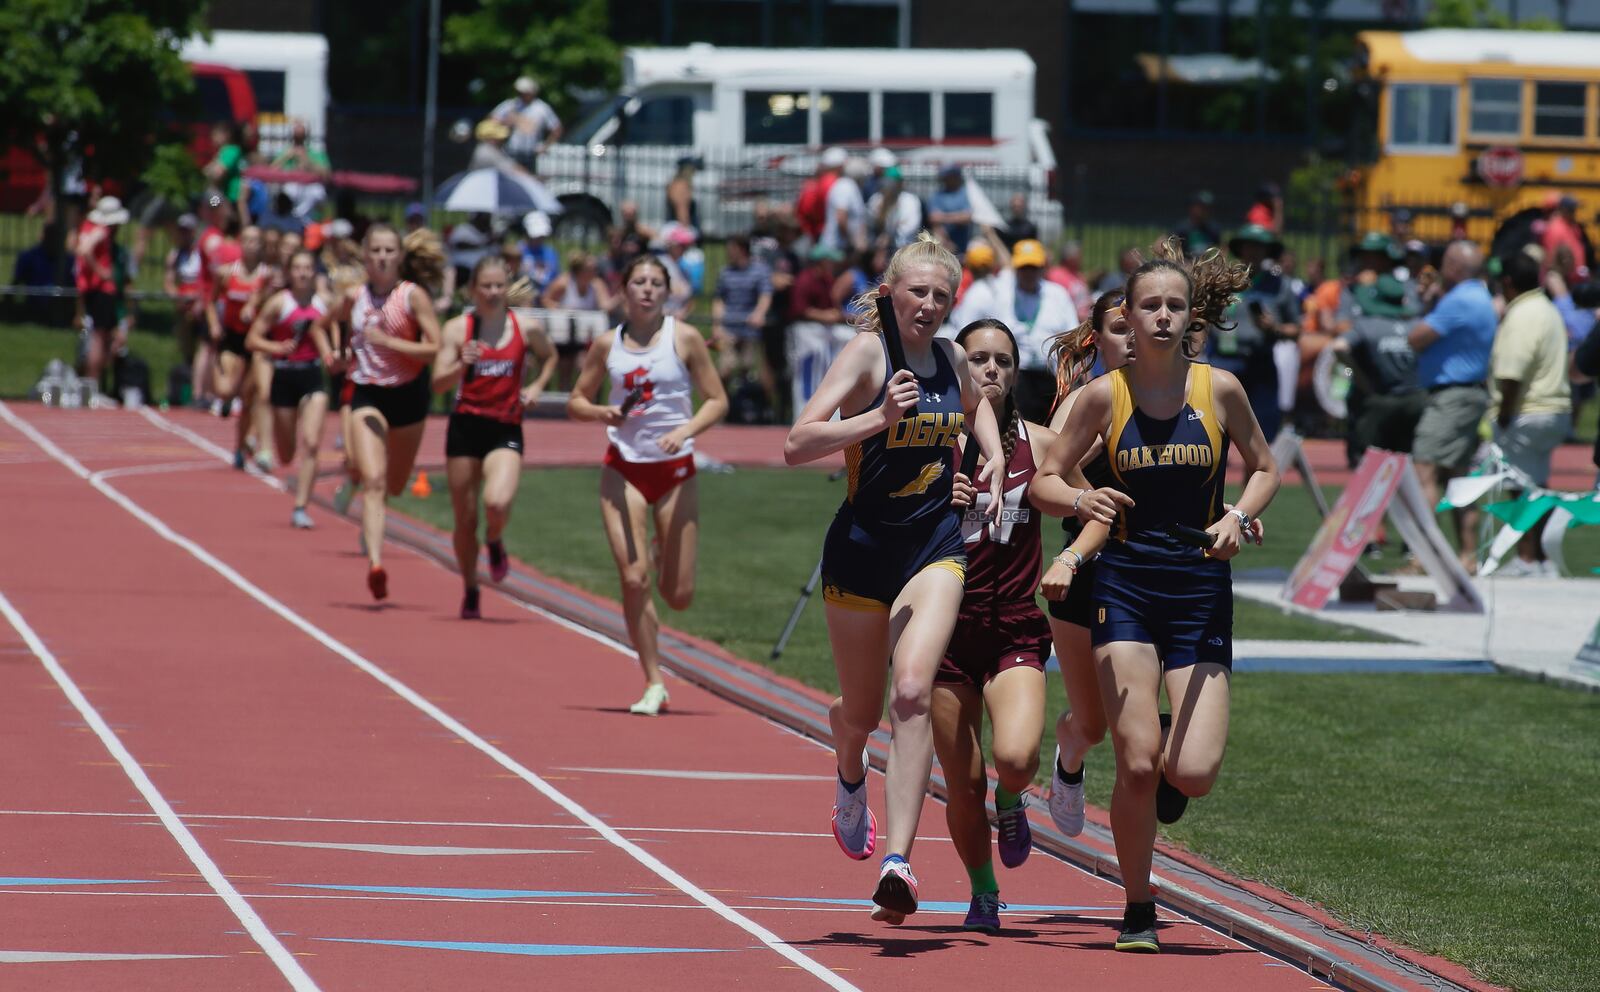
<point>1074,565</point>
<point>1081,494</point>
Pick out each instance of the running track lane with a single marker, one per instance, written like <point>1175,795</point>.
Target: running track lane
<point>551,698</point>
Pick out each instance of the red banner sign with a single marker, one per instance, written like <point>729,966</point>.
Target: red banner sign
<point>1347,531</point>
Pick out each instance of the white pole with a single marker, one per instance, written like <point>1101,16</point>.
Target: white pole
<point>430,111</point>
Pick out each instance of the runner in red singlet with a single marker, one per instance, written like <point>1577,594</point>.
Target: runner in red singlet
<point>997,654</point>
<point>236,285</point>
<point>281,337</point>
<point>484,353</point>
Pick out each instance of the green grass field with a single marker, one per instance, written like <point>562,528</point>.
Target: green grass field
<point>1451,812</point>
<point>28,347</point>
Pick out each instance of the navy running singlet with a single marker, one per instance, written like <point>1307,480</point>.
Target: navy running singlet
<point>901,477</point>
<point>1173,469</point>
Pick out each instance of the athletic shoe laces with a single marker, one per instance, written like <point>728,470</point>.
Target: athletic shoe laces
<point>988,903</point>
<point>1009,821</point>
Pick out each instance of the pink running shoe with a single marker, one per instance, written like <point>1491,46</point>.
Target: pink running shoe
<point>499,564</point>
<point>854,826</point>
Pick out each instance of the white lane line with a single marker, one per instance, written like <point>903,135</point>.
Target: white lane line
<point>117,473</point>
<point>56,957</point>
<point>704,776</point>
<point>408,850</point>
<point>285,962</point>
<point>450,723</point>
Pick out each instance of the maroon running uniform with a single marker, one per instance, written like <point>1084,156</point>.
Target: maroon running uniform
<point>1000,625</point>
<point>488,410</point>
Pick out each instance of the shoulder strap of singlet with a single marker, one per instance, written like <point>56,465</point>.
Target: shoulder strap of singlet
<point>1201,400</point>
<point>1121,412</point>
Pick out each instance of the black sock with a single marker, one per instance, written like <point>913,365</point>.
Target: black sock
<point>1139,916</point>
<point>1069,778</point>
<point>852,786</point>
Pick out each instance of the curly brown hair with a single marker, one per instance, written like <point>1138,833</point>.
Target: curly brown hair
<point>1214,284</point>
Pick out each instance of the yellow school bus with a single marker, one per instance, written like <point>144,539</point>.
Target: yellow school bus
<point>1497,120</point>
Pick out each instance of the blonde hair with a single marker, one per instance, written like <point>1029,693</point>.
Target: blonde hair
<point>926,250</point>
<point>424,259</point>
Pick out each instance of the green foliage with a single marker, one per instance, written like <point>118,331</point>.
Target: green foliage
<point>93,74</point>
<point>173,174</point>
<point>1312,191</point>
<point>565,44</point>
<point>1481,14</point>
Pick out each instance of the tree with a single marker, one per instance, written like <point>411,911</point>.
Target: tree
<point>565,44</point>
<point>1481,14</point>
<point>91,81</point>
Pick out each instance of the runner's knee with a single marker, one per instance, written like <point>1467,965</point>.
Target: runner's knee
<point>1138,772</point>
<point>1015,767</point>
<point>636,580</point>
<point>910,698</point>
<point>678,595</point>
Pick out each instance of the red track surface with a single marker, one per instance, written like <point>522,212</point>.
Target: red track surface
<point>270,742</point>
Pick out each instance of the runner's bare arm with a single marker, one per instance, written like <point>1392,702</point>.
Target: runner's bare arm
<point>256,340</point>
<point>322,332</point>
<point>448,367</point>
<point>691,346</point>
<point>427,344</point>
<point>1051,490</point>
<point>815,434</point>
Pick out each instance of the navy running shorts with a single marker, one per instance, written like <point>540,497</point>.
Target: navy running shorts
<point>1184,610</point>
<point>865,565</point>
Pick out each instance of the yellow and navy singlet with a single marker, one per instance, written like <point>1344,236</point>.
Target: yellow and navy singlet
<point>1173,469</point>
<point>901,477</point>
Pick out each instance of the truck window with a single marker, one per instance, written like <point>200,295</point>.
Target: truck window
<point>663,120</point>
<point>907,116</point>
<point>268,85</point>
<point>1558,110</point>
<point>1496,108</point>
<point>212,93</point>
<point>1422,116</point>
<point>778,117</point>
<point>845,117</point>
<point>968,115</point>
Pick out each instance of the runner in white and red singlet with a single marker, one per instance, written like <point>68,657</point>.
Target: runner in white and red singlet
<point>996,656</point>
<point>394,334</point>
<point>235,286</point>
<point>484,357</point>
<point>654,363</point>
<point>281,334</point>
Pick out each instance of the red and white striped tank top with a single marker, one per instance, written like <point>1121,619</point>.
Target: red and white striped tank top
<point>377,365</point>
<point>294,324</point>
<point>492,387</point>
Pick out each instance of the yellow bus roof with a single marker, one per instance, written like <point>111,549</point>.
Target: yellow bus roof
<point>1395,54</point>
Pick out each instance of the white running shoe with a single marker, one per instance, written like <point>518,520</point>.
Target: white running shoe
<point>854,826</point>
<point>652,702</point>
<point>896,895</point>
<point>1066,801</point>
<point>300,518</point>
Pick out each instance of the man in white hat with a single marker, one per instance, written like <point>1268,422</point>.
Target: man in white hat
<point>532,122</point>
<point>98,285</point>
<point>540,261</point>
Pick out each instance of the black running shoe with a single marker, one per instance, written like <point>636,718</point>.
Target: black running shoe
<point>1139,929</point>
<point>1170,803</point>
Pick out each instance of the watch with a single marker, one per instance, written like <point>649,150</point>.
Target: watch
<point>1244,518</point>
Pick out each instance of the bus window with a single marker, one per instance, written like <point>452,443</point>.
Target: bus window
<point>968,115</point>
<point>845,117</point>
<point>776,118</point>
<point>907,116</point>
<point>268,84</point>
<point>1422,116</point>
<point>1558,110</point>
<point>663,120</point>
<point>1496,108</point>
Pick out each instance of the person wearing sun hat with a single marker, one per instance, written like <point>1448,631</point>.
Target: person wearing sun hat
<point>1266,313</point>
<point>490,152</point>
<point>97,279</point>
<point>532,124</point>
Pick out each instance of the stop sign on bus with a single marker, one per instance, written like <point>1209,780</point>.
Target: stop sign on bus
<point>1500,166</point>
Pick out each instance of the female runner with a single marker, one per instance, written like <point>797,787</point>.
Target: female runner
<point>893,562</point>
<point>997,654</point>
<point>237,282</point>
<point>654,362</point>
<point>394,335</point>
<point>1163,609</point>
<point>282,335</point>
<point>485,352</point>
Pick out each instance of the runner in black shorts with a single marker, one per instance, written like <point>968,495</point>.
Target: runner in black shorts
<point>483,356</point>
<point>1162,606</point>
<point>281,334</point>
<point>998,651</point>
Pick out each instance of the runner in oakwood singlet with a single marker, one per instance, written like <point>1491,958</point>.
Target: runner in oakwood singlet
<point>1163,608</point>
<point>484,358</point>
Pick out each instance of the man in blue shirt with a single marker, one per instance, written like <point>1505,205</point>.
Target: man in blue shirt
<point>950,208</point>
<point>1452,343</point>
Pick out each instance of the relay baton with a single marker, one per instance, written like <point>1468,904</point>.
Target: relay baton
<point>969,458</point>
<point>891,335</point>
<point>632,399</point>
<point>1192,536</point>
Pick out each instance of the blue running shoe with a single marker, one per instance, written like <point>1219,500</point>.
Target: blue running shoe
<point>1016,838</point>
<point>983,915</point>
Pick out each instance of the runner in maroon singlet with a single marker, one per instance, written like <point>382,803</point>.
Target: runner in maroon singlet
<point>997,654</point>
<point>485,353</point>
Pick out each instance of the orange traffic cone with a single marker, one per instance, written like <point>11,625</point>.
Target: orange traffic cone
<point>421,488</point>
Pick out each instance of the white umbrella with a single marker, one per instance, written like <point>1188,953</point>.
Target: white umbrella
<point>495,191</point>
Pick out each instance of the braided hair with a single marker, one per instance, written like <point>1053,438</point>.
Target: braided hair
<point>1008,415</point>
